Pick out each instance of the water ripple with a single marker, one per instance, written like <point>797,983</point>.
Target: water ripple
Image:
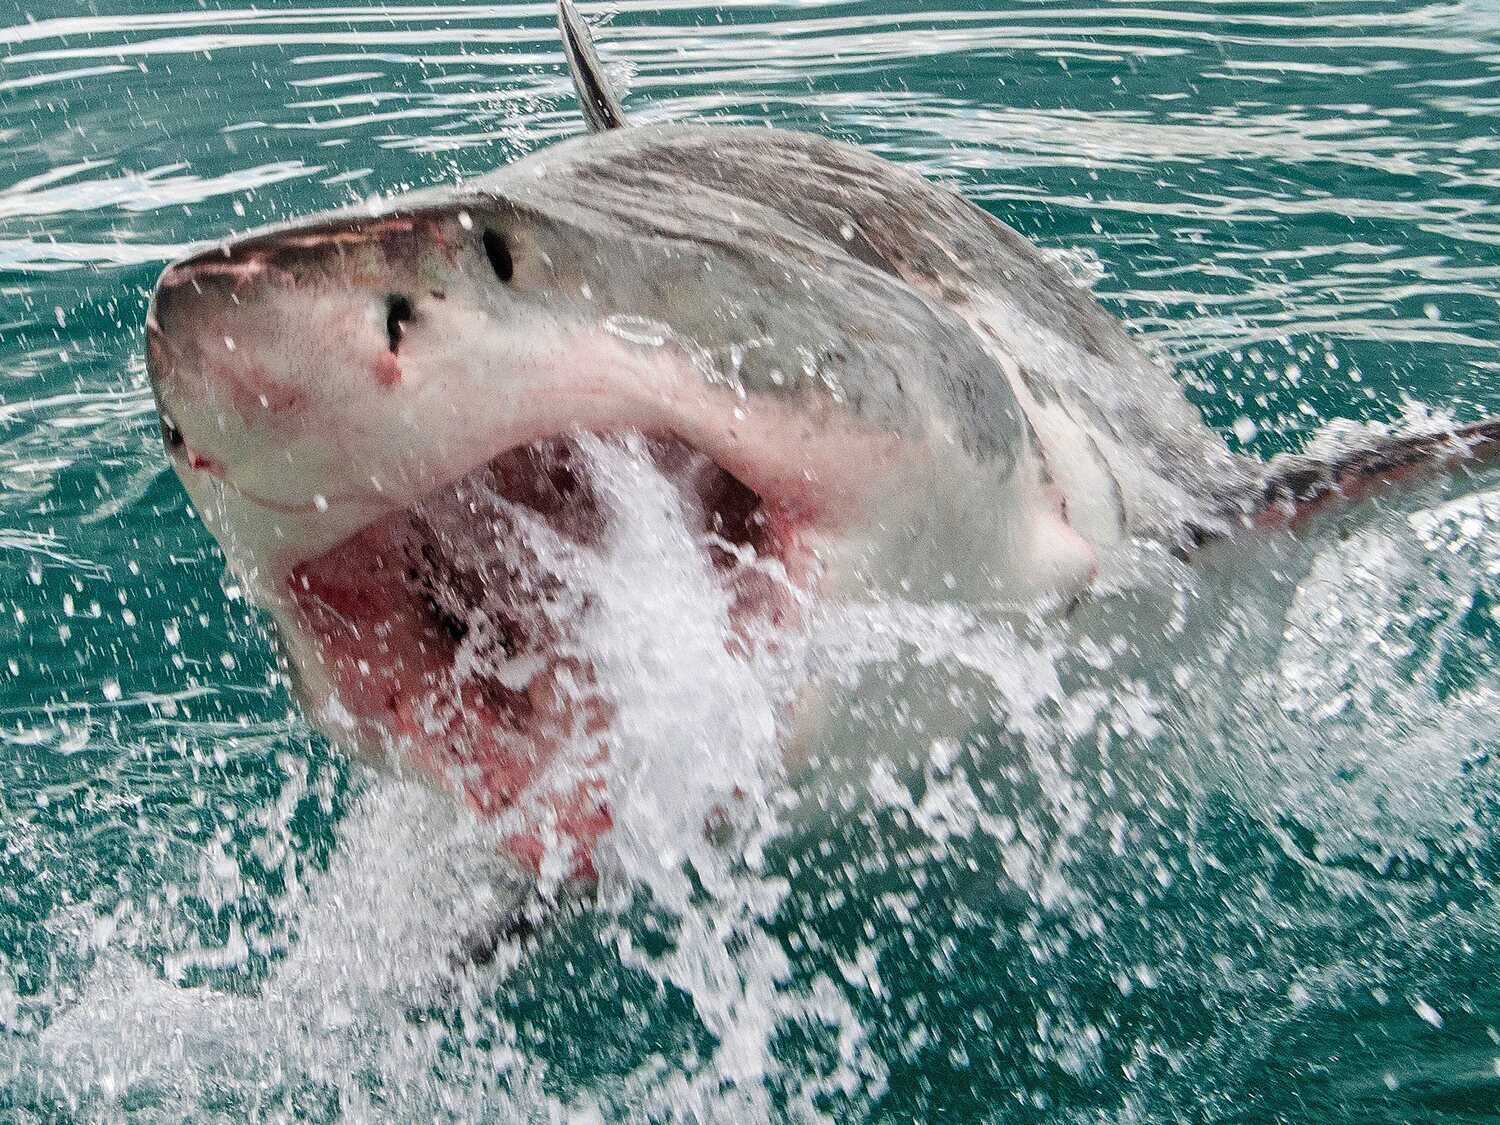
<point>1297,201</point>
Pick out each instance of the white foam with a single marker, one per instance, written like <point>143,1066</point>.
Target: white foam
<point>696,732</point>
<point>695,740</point>
<point>1344,725</point>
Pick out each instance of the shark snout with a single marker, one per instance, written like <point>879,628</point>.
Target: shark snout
<point>249,339</point>
<point>173,361</point>
<point>304,377</point>
<point>383,259</point>
<point>186,296</point>
<point>207,341</point>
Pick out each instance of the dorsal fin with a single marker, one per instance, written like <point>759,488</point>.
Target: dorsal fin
<point>600,106</point>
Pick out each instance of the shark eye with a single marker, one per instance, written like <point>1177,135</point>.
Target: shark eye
<point>398,311</point>
<point>498,253</point>
<point>171,436</point>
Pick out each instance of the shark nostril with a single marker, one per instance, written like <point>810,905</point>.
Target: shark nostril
<point>398,311</point>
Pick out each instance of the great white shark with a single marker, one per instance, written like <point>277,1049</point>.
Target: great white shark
<point>853,377</point>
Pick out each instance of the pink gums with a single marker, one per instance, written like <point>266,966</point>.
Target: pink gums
<point>391,652</point>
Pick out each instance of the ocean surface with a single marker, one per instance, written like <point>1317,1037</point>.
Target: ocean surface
<point>1252,883</point>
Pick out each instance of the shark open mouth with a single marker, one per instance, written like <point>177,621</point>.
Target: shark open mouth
<point>449,635</point>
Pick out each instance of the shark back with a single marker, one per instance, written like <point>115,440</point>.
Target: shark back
<point>1127,450</point>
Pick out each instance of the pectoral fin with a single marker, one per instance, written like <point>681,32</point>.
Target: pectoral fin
<point>1298,491</point>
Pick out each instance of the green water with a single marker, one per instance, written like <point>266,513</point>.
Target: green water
<point>1295,919</point>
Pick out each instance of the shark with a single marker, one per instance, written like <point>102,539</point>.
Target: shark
<point>853,379</point>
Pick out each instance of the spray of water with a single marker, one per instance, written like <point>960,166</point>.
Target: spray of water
<point>949,758</point>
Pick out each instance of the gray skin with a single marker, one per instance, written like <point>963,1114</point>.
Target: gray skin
<point>898,263</point>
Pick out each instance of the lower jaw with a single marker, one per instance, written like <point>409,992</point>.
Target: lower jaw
<point>440,640</point>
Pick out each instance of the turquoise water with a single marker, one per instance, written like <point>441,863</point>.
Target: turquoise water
<point>1257,886</point>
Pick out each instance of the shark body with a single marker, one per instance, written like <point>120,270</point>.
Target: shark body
<point>853,377</point>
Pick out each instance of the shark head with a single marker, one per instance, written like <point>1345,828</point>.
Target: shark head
<point>385,420</point>
<point>314,380</point>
